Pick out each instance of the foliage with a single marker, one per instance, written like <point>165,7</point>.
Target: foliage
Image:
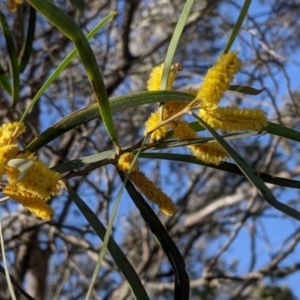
<point>89,137</point>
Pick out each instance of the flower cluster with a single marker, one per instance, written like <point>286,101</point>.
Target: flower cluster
<point>146,186</point>
<point>37,185</point>
<point>207,98</point>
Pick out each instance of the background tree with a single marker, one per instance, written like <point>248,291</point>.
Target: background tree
<point>216,212</point>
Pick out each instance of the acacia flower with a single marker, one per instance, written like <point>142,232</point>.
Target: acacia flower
<point>34,188</point>
<point>234,118</point>
<point>146,186</point>
<point>10,132</point>
<point>37,185</point>
<point>154,81</point>
<point>170,108</point>
<point>217,79</point>
<point>211,153</point>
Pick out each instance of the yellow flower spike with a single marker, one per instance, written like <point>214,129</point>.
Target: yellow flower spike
<point>31,201</point>
<point>171,108</point>
<point>10,132</point>
<point>218,78</point>
<point>146,186</point>
<point>152,192</point>
<point>154,81</point>
<point>234,118</point>
<point>182,130</point>
<point>39,179</point>
<point>151,123</point>
<point>125,161</point>
<point>6,153</point>
<point>210,153</point>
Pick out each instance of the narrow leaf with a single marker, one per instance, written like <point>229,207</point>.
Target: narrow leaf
<point>283,131</point>
<point>224,166</point>
<point>69,28</point>
<point>182,283</point>
<point>251,174</point>
<point>115,251</point>
<point>238,25</point>
<point>62,66</point>
<point>92,112</point>
<point>4,80</point>
<point>13,59</point>
<point>7,275</point>
<point>29,40</point>
<point>248,90</point>
<point>174,42</point>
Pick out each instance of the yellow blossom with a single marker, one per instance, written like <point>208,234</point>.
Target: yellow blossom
<point>170,108</point>
<point>146,186</point>
<point>211,153</point>
<point>152,192</point>
<point>31,201</point>
<point>6,153</point>
<point>151,123</point>
<point>218,78</point>
<point>234,118</point>
<point>154,81</point>
<point>39,180</point>
<point>10,132</point>
<point>125,161</point>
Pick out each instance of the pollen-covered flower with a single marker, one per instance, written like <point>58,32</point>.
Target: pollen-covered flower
<point>154,81</point>
<point>6,153</point>
<point>218,78</point>
<point>31,201</point>
<point>146,186</point>
<point>211,153</point>
<point>152,123</point>
<point>152,192</point>
<point>234,118</point>
<point>36,185</point>
<point>8,136</point>
<point>39,180</point>
<point>10,132</point>
<point>170,109</point>
<point>125,161</point>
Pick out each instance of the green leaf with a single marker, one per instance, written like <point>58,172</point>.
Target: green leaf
<point>62,66</point>
<point>91,112</point>
<point>174,43</point>
<point>26,51</point>
<point>13,59</point>
<point>115,251</point>
<point>23,165</point>
<point>182,283</point>
<point>248,90</point>
<point>238,25</point>
<point>283,131</point>
<point>84,161</point>
<point>71,30</point>
<point>4,80</point>
<point>224,166</point>
<point>7,275</point>
<point>251,174</point>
